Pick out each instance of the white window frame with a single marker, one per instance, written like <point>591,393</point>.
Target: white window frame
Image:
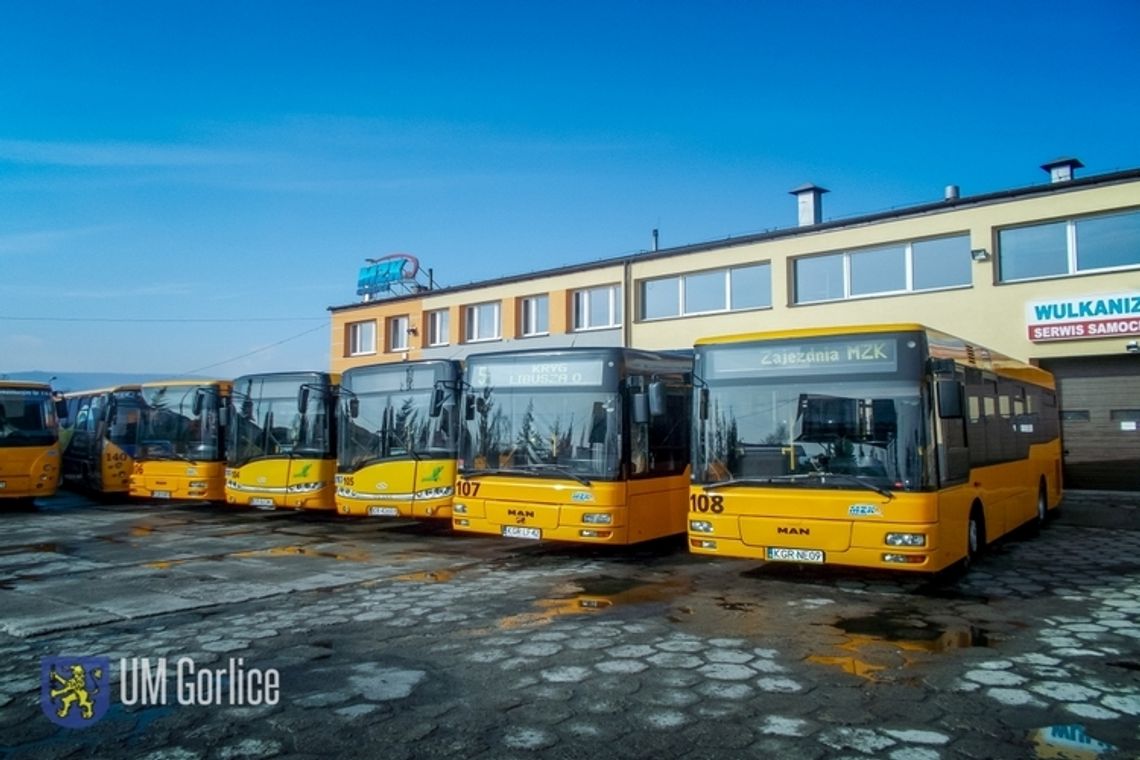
<point>473,321</point>
<point>582,307</point>
<point>908,272</point>
<point>439,327</point>
<point>680,283</point>
<point>528,314</point>
<point>1071,245</point>
<point>398,333</point>
<point>356,332</point>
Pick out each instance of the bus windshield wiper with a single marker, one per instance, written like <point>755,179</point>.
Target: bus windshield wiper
<point>558,468</point>
<point>527,470</point>
<point>822,475</point>
<point>854,480</point>
<point>168,456</point>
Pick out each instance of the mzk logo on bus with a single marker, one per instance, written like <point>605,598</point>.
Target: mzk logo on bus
<point>74,691</point>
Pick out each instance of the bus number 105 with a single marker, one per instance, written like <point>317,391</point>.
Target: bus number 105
<point>706,503</point>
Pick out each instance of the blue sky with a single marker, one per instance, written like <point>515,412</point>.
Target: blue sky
<point>237,162</point>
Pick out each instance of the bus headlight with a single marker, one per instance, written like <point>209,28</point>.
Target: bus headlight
<point>434,493</point>
<point>305,487</point>
<point>700,526</point>
<point>597,518</point>
<point>459,509</point>
<point>198,484</point>
<point>906,539</point>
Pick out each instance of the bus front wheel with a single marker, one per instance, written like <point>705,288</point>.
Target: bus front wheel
<point>975,534</point>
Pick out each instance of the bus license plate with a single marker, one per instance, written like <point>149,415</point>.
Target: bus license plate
<point>161,494</point>
<point>519,531</point>
<point>795,555</point>
<point>263,503</point>
<point>383,512</point>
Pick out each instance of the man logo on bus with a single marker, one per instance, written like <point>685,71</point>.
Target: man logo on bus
<point>74,691</point>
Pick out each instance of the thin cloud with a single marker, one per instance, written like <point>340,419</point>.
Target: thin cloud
<point>38,241</point>
<point>114,154</point>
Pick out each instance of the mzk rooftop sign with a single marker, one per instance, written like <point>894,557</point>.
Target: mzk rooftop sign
<point>1100,316</point>
<point>381,274</point>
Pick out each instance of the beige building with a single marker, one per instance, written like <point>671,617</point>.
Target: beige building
<point>1048,273</point>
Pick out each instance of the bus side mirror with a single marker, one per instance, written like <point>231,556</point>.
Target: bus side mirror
<point>303,399</point>
<point>703,404</point>
<point>247,409</point>
<point>61,409</point>
<point>354,407</point>
<point>469,407</point>
<point>437,402</point>
<point>197,406</point>
<point>949,399</point>
<point>640,408</point>
<point>657,399</point>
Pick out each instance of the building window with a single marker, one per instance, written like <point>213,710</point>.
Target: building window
<point>439,327</point>
<point>398,333</point>
<point>1107,242</point>
<point>534,315</point>
<point>483,322</point>
<point>747,287</point>
<point>597,308</point>
<point>361,338</point>
<point>897,268</point>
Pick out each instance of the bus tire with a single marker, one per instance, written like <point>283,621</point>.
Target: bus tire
<point>975,534</point>
<point>1042,506</point>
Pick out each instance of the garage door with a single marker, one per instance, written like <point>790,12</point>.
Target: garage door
<point>1100,421</point>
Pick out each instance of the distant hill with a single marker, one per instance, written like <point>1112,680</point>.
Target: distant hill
<point>81,381</point>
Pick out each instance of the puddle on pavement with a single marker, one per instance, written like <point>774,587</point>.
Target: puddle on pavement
<point>33,549</point>
<point>585,596</point>
<point>427,576</point>
<point>900,630</point>
<point>1069,742</point>
<point>304,551</point>
<point>277,551</point>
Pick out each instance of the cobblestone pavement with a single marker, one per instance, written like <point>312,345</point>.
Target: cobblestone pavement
<point>402,640</point>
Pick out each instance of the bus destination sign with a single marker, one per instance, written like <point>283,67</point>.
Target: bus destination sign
<point>865,355</point>
<point>571,372</point>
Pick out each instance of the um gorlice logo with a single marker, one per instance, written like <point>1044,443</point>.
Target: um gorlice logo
<point>75,691</point>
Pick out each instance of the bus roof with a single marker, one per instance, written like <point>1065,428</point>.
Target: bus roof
<point>110,389</point>
<point>186,383</point>
<point>29,385</point>
<point>942,345</point>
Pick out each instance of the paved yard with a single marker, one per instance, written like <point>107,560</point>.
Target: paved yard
<point>398,639</point>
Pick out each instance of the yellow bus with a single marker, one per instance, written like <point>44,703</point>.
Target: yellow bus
<point>887,446</point>
<point>280,451</point>
<point>580,444</point>
<point>181,445</point>
<point>100,433</point>
<point>398,426</point>
<point>29,442</point>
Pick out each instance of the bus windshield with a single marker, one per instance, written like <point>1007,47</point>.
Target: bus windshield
<point>267,421</point>
<point>396,425</point>
<point>171,430</point>
<point>544,431</point>
<point>796,434</point>
<point>27,417</point>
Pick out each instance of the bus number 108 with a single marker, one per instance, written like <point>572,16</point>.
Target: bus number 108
<point>706,503</point>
